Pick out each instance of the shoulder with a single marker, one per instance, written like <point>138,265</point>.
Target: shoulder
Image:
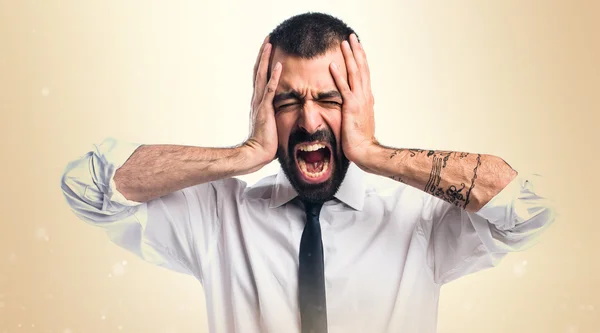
<point>392,192</point>
<point>237,189</point>
<point>397,199</point>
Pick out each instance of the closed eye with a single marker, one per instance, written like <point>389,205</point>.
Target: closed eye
<point>332,103</point>
<point>286,105</point>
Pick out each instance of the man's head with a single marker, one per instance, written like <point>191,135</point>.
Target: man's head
<point>308,104</point>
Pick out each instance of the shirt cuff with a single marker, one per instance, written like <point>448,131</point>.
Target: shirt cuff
<point>114,153</point>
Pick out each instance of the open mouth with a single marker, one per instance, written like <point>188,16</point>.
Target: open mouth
<point>314,161</point>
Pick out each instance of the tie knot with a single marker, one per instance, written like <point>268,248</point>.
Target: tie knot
<point>313,209</point>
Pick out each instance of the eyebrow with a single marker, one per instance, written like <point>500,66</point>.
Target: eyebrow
<point>329,94</point>
<point>293,94</point>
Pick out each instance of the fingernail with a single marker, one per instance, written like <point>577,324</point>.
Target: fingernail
<point>333,65</point>
<point>278,66</point>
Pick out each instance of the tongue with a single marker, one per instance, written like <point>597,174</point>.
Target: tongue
<point>313,156</point>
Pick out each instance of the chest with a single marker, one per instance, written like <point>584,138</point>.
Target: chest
<point>259,248</point>
<point>373,262</point>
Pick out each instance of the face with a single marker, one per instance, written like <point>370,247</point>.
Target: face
<point>308,110</point>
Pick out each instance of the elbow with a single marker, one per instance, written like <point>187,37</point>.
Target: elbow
<point>121,185</point>
<point>492,185</point>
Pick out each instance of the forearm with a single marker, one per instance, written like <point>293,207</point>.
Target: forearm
<point>463,179</point>
<point>156,170</point>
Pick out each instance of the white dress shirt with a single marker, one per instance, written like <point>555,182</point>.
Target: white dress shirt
<point>386,256</point>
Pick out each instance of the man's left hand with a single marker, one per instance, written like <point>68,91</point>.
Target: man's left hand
<point>358,123</point>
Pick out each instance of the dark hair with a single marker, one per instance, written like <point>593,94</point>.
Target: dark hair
<point>310,34</point>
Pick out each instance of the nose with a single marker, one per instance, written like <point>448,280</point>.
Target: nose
<point>310,118</point>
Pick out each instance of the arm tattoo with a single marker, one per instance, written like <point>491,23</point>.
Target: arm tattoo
<point>456,195</point>
<point>397,178</point>
<point>436,170</point>
<point>473,179</point>
<point>453,194</point>
<point>413,152</point>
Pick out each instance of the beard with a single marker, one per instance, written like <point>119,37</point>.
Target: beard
<point>314,193</point>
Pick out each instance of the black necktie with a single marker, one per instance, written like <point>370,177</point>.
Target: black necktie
<point>311,274</point>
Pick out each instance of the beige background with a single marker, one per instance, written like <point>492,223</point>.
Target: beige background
<point>518,79</point>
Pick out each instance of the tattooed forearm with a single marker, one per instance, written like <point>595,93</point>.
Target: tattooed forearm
<point>463,179</point>
<point>452,193</point>
<point>457,194</point>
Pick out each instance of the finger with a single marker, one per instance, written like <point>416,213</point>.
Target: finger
<point>340,81</point>
<point>269,93</point>
<point>261,73</point>
<point>265,41</point>
<point>353,75</point>
<point>262,46</point>
<point>361,61</point>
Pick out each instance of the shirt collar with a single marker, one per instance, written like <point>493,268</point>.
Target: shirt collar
<point>351,192</point>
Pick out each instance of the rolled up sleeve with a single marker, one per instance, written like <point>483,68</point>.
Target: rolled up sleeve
<point>462,242</point>
<point>172,231</point>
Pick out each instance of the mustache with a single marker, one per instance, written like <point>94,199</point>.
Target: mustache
<point>301,135</point>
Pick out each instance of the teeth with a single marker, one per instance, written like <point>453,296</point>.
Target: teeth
<point>314,147</point>
<point>302,164</point>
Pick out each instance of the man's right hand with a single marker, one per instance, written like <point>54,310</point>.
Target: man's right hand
<point>263,130</point>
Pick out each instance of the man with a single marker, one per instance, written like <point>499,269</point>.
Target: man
<point>310,249</point>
